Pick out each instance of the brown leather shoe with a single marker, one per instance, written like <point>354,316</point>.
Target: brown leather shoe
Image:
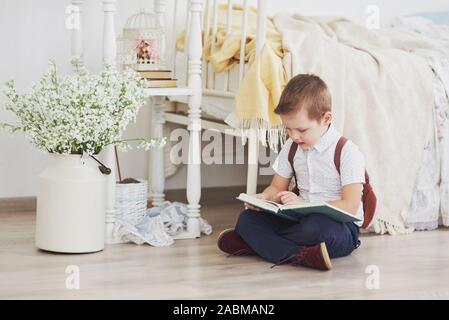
<point>230,242</point>
<point>315,257</point>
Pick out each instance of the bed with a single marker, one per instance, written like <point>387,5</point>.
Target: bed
<point>418,203</point>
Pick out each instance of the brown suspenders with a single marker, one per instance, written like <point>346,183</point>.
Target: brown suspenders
<point>291,155</point>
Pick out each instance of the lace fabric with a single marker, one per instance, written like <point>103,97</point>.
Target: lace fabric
<point>429,204</point>
<point>158,226</point>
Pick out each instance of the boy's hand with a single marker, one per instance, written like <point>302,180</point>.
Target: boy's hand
<point>257,195</point>
<point>288,197</point>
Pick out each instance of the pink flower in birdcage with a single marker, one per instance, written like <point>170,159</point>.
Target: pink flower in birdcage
<point>140,49</point>
<point>146,49</point>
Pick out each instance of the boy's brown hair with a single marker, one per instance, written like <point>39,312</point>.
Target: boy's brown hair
<point>305,90</point>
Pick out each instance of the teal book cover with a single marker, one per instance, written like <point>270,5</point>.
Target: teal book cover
<point>295,212</point>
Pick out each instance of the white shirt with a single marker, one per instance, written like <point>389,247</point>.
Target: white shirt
<point>316,174</point>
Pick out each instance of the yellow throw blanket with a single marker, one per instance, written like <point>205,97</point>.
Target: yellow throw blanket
<point>226,52</point>
<point>261,89</point>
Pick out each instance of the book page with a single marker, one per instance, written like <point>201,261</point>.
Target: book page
<point>260,203</point>
<point>273,203</point>
<point>302,205</point>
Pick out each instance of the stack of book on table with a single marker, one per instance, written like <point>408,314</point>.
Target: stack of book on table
<point>158,78</point>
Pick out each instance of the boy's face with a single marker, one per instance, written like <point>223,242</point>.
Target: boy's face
<point>302,130</point>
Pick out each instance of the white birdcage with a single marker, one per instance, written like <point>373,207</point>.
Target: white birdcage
<point>142,45</point>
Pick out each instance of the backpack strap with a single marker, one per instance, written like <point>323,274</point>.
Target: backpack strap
<point>368,197</point>
<point>291,156</point>
<point>337,156</point>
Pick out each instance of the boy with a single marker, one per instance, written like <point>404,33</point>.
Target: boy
<point>305,110</point>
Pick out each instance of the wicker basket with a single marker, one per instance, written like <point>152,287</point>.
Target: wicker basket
<point>131,200</point>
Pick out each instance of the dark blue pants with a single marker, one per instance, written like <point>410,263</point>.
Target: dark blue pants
<point>275,238</point>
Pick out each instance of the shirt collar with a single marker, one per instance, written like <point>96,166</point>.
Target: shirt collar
<point>327,139</point>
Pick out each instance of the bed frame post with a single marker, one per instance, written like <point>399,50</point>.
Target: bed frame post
<point>261,25</point>
<point>253,140</point>
<point>109,56</point>
<point>253,157</point>
<point>159,8</point>
<point>77,31</point>
<point>195,49</point>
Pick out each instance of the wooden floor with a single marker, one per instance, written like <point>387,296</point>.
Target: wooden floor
<point>411,266</point>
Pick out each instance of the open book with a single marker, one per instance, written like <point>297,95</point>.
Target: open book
<point>295,211</point>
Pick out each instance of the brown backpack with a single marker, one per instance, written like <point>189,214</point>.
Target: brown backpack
<point>369,199</point>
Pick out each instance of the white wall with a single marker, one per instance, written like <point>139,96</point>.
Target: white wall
<point>34,31</point>
<point>355,9</point>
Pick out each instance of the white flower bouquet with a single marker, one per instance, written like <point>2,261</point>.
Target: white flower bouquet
<point>80,113</point>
